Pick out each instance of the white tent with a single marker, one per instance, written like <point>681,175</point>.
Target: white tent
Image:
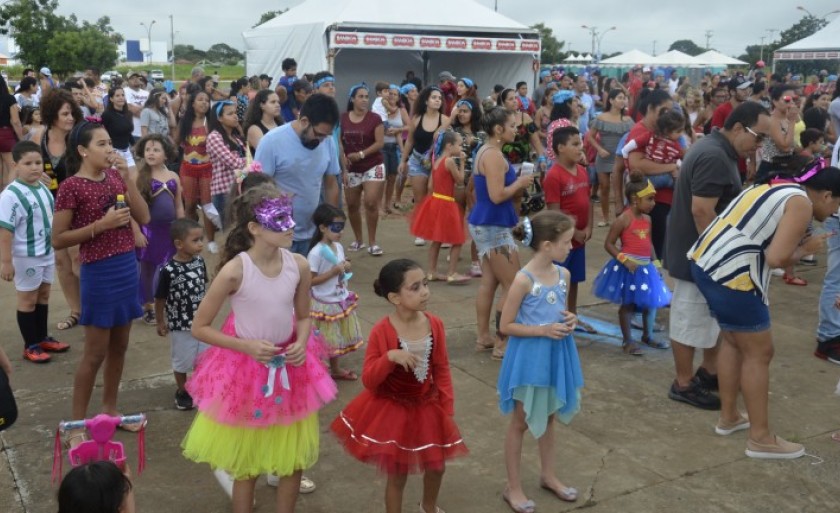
<point>630,58</point>
<point>715,58</point>
<point>675,58</point>
<point>572,58</point>
<point>822,45</point>
<point>370,40</point>
<point>587,58</point>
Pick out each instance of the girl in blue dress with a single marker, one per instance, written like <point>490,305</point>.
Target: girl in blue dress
<point>541,376</point>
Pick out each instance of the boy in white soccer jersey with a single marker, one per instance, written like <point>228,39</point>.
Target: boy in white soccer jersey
<point>26,252</point>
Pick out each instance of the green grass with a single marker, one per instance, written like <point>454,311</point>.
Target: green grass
<point>182,71</point>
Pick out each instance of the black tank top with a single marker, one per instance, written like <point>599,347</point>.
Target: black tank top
<point>55,168</point>
<point>422,138</point>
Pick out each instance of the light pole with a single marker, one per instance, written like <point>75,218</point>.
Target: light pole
<point>597,37</point>
<point>172,42</point>
<point>149,36</point>
<point>761,58</point>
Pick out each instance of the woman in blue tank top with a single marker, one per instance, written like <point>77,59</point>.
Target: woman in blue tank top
<point>492,219</point>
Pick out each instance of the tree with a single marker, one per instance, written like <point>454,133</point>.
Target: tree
<point>103,25</point>
<point>33,23</point>
<point>220,52</point>
<point>268,16</point>
<point>77,49</point>
<point>803,28</point>
<point>189,53</point>
<point>551,48</point>
<point>687,46</point>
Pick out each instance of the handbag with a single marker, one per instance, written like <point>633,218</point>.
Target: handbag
<point>8,406</point>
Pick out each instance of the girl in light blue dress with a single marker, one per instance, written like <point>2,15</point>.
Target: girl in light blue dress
<point>541,376</point>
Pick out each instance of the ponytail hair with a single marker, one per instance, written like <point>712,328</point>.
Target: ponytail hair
<point>545,226</point>
<point>392,276</point>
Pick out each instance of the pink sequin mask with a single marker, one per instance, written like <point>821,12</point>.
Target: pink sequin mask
<point>275,214</point>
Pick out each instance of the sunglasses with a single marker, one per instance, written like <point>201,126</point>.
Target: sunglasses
<point>337,226</point>
<point>758,137</point>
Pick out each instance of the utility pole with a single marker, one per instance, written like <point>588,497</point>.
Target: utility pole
<point>654,47</point>
<point>149,34</point>
<point>761,58</point>
<point>172,43</point>
<point>708,37</point>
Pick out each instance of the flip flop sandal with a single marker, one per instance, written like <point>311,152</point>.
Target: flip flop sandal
<point>632,349</point>
<point>69,322</point>
<point>656,344</point>
<point>345,375</point>
<point>794,280</point>
<point>356,246</point>
<point>457,279</point>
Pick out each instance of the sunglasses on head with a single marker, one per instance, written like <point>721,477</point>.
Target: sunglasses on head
<point>336,226</point>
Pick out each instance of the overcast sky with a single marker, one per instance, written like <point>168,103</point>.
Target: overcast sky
<point>734,24</point>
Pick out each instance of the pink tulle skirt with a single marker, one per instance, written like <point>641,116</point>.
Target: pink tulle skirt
<point>233,388</point>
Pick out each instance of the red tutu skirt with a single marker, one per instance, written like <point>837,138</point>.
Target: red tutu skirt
<point>438,219</point>
<point>399,436</point>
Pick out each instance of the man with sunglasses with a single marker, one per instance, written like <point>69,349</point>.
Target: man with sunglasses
<point>302,158</point>
<point>709,180</point>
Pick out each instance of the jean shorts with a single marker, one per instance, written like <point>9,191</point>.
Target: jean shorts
<point>735,310</point>
<point>488,237</point>
<point>415,165</point>
<point>391,155</point>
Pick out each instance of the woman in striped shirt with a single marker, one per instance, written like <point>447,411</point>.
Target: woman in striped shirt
<point>764,227</point>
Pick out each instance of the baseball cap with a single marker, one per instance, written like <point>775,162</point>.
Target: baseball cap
<point>738,82</point>
<point>445,75</point>
<point>46,71</point>
<point>646,69</point>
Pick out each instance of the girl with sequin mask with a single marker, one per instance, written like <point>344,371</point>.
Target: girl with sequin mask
<point>541,372</point>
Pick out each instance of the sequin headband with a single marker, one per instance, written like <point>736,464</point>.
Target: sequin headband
<point>467,82</point>
<point>357,87</point>
<point>817,165</point>
<point>321,81</point>
<point>647,191</point>
<point>220,106</point>
<point>275,214</point>
<point>529,231</point>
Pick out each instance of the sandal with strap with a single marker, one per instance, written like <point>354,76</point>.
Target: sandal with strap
<point>792,279</point>
<point>566,493</point>
<point>632,349</point>
<point>457,279</point>
<point>69,322</point>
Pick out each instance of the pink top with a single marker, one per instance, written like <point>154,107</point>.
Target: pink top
<point>89,200</point>
<point>264,305</point>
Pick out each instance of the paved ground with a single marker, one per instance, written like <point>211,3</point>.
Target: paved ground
<point>629,449</point>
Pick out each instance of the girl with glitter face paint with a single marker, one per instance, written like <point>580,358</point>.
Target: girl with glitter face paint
<point>259,389</point>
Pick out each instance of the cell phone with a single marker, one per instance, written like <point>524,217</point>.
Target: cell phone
<point>457,161</point>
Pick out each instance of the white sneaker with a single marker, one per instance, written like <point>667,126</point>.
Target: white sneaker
<point>212,214</point>
<point>213,247</point>
<point>419,242</point>
<point>306,484</point>
<point>225,481</point>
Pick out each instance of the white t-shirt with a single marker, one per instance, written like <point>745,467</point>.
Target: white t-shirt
<point>137,98</point>
<point>334,289</point>
<point>27,212</point>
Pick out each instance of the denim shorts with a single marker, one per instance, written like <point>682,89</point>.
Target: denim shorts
<point>735,310</point>
<point>488,237</point>
<point>390,153</point>
<point>415,165</point>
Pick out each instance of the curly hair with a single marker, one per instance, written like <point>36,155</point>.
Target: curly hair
<point>53,101</point>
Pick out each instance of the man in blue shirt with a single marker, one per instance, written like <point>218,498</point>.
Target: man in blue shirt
<point>581,87</point>
<point>301,156</point>
<point>289,109</point>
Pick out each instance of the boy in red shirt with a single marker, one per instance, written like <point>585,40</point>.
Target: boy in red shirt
<point>566,187</point>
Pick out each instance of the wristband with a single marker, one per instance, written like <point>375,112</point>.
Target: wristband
<point>541,159</point>
<point>93,230</point>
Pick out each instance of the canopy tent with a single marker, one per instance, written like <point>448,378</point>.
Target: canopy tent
<point>573,58</point>
<point>675,58</point>
<point>368,40</point>
<point>630,58</point>
<point>715,58</point>
<point>821,45</point>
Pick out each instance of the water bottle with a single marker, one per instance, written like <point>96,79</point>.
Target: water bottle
<point>120,202</point>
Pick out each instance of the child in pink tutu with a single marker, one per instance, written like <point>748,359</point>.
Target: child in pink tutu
<point>259,389</point>
<point>402,421</point>
<point>439,218</point>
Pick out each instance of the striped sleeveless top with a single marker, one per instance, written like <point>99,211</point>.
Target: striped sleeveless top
<point>731,249</point>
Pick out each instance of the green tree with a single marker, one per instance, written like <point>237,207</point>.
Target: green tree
<point>687,46</point>
<point>221,52</point>
<point>32,24</point>
<point>552,49</point>
<point>268,16</point>
<point>77,49</point>
<point>103,25</point>
<point>189,53</point>
<point>803,28</point>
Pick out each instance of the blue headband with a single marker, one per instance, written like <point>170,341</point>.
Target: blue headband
<point>467,82</point>
<point>357,87</point>
<point>221,105</point>
<point>544,73</point>
<point>394,86</point>
<point>464,103</point>
<point>562,96</point>
<point>321,81</point>
<point>407,88</point>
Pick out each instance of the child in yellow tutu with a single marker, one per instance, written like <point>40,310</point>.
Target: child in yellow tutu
<point>259,389</point>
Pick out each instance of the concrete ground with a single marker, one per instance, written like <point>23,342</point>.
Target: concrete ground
<point>630,448</point>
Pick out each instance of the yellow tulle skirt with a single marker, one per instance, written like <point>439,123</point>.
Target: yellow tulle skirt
<point>246,452</point>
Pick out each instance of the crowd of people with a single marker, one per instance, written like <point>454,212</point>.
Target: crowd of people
<point>105,186</point>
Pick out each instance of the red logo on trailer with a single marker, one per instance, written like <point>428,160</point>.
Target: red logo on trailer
<point>505,45</point>
<point>407,41</point>
<point>482,44</point>
<point>343,38</point>
<point>376,40</point>
<point>430,42</point>
<point>456,43</point>
<point>529,46</point>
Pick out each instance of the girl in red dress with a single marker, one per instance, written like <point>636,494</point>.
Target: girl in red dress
<point>402,421</point>
<point>439,219</point>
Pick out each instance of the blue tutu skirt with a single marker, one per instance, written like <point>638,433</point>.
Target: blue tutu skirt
<point>644,288</point>
<point>109,291</point>
<point>545,376</point>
